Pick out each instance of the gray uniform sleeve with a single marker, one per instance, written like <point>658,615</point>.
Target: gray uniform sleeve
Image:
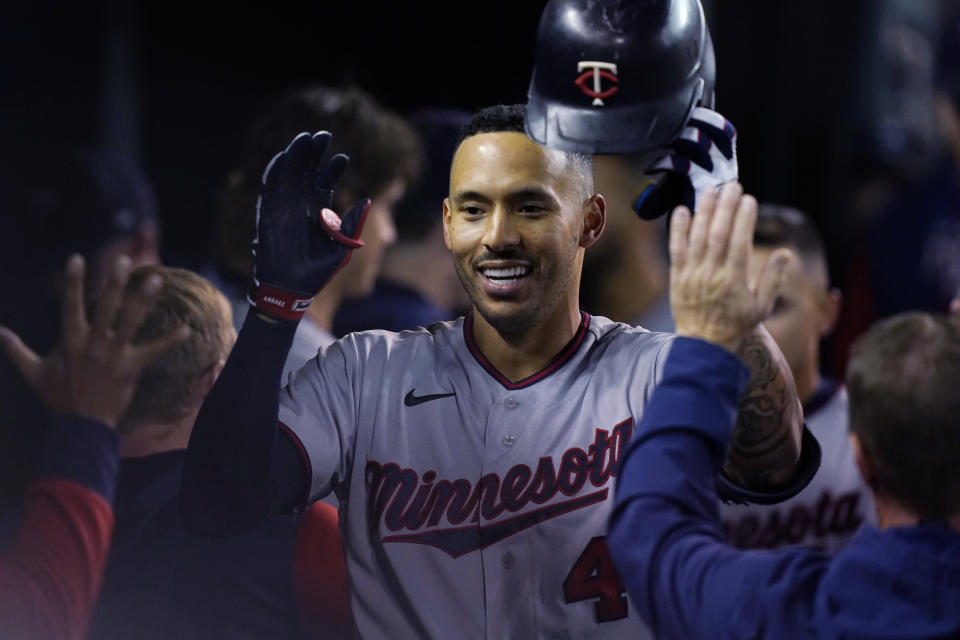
<point>319,406</point>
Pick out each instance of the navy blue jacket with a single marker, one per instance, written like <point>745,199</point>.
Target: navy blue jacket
<point>687,582</point>
<point>165,582</point>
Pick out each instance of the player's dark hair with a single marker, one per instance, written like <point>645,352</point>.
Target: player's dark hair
<point>509,117</point>
<point>495,119</point>
<point>166,386</point>
<point>782,226</point>
<point>381,145</point>
<point>905,409</point>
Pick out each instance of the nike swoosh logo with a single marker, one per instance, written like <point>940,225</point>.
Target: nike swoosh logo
<point>462,540</point>
<point>411,400</point>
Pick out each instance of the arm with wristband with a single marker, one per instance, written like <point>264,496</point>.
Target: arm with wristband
<point>772,456</point>
<point>239,467</point>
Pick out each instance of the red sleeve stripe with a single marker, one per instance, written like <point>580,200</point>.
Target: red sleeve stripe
<point>307,466</point>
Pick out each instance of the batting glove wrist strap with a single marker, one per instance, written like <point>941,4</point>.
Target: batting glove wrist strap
<point>301,243</point>
<point>703,157</point>
<point>279,303</point>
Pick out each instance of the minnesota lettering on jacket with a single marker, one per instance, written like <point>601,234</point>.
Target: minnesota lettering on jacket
<point>442,513</point>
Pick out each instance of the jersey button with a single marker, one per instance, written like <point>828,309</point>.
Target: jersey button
<point>511,403</point>
<point>508,560</point>
<point>509,439</point>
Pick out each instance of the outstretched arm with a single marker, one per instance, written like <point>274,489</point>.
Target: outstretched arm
<point>763,453</point>
<point>765,446</point>
<point>685,580</point>
<point>240,467</point>
<point>50,576</point>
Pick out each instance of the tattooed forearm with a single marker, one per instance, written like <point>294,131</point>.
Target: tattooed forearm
<point>765,444</point>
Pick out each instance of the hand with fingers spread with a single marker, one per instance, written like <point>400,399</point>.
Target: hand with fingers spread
<point>93,371</point>
<point>301,243</point>
<point>710,291</point>
<point>703,158</point>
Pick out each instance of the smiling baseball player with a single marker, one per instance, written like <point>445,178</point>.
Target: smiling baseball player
<point>474,460</point>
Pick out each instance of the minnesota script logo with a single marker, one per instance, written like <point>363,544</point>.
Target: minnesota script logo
<point>423,509</point>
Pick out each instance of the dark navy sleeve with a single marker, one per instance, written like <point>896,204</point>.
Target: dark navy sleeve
<point>51,573</point>
<point>82,450</point>
<point>237,470</point>
<point>665,533</point>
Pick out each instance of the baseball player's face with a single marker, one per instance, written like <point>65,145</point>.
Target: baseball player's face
<point>515,223</point>
<point>804,311</point>
<point>360,274</point>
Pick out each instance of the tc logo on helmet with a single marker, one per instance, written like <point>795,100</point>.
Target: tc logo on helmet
<point>597,71</point>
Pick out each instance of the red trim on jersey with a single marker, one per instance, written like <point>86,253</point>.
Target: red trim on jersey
<point>561,358</point>
<point>307,466</point>
<point>51,575</point>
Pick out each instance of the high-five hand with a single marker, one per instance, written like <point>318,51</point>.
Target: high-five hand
<point>94,369</point>
<point>710,291</point>
<point>301,243</point>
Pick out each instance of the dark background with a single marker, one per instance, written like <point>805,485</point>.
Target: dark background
<point>174,84</point>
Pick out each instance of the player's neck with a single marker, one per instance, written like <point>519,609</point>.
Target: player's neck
<point>634,280</point>
<point>404,264</point>
<point>522,354</point>
<point>892,514</point>
<point>323,308</point>
<point>807,380</point>
<point>149,439</point>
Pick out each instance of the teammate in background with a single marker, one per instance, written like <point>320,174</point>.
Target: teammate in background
<point>473,459</point>
<point>418,286</point>
<point>633,85</point>
<point>52,571</point>
<point>896,581</point>
<point>385,157</point>
<point>626,275</point>
<point>85,201</point>
<point>830,510</point>
<point>162,581</point>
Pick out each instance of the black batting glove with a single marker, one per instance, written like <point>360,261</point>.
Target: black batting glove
<point>301,243</point>
<point>703,157</point>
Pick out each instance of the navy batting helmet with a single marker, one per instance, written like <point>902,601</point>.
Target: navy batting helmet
<point>618,76</point>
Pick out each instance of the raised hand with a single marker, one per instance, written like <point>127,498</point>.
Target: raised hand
<point>710,291</point>
<point>301,243</point>
<point>700,160</point>
<point>93,370</point>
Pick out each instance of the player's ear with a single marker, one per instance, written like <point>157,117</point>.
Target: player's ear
<point>594,220</point>
<point>446,222</point>
<point>830,310</point>
<point>206,380</point>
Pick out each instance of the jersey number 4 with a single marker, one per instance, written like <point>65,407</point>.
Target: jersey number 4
<point>594,576</point>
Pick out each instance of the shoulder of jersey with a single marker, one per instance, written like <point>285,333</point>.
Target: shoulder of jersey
<point>374,340</point>
<point>605,329</point>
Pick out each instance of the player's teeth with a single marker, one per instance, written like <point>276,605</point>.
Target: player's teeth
<point>510,272</point>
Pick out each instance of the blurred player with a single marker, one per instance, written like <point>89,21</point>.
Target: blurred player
<point>836,502</point>
<point>385,158</point>
<point>408,295</point>
<point>51,572</point>
<point>473,460</point>
<point>633,84</point>
<point>85,201</point>
<point>161,581</point>
<point>896,581</point>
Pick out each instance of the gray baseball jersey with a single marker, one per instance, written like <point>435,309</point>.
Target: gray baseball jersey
<point>473,507</point>
<point>830,510</point>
